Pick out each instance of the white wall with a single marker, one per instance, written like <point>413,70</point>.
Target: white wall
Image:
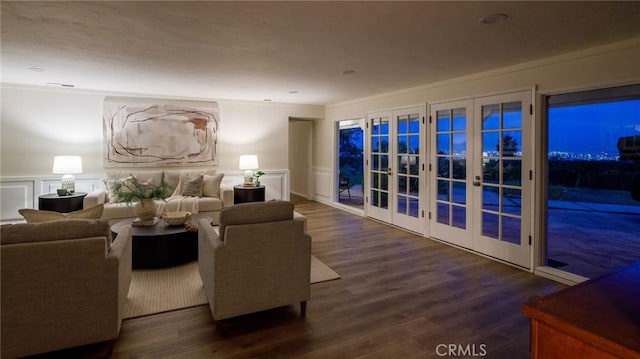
<point>38,123</point>
<point>614,64</point>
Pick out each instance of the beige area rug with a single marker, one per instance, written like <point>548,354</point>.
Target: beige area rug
<point>161,290</point>
<point>321,272</point>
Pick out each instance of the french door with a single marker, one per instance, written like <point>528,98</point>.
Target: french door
<point>451,165</point>
<point>395,168</point>
<point>483,161</point>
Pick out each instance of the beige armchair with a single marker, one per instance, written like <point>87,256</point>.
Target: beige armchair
<point>64,284</point>
<point>261,259</point>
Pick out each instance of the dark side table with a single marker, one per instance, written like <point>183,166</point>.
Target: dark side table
<point>242,194</point>
<point>62,204</point>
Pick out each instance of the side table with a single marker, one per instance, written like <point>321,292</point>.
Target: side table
<point>62,204</point>
<point>242,194</point>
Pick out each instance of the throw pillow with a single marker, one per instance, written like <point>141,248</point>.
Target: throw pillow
<point>192,187</point>
<point>36,216</point>
<point>110,187</point>
<point>211,185</point>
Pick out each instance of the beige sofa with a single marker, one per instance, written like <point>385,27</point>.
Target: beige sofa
<point>64,284</point>
<point>214,196</point>
<point>260,260</point>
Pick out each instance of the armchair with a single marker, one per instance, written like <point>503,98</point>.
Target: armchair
<point>64,284</point>
<point>261,259</point>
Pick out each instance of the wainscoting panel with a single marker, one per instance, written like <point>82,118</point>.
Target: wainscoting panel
<point>323,187</point>
<point>23,192</point>
<point>276,182</point>
<point>83,184</point>
<point>14,195</point>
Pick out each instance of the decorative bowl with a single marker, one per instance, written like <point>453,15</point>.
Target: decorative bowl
<point>176,218</point>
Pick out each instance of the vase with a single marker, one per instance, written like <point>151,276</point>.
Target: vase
<point>145,209</point>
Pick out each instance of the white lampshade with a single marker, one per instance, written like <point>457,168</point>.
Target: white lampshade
<point>67,166</point>
<point>248,163</point>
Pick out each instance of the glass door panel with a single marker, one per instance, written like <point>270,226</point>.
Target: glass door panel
<point>450,218</point>
<point>408,161</point>
<point>378,202</point>
<point>503,230</point>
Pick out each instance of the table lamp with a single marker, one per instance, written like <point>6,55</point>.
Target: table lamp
<point>67,166</point>
<point>248,163</point>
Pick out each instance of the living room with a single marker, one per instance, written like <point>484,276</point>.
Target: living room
<point>41,121</point>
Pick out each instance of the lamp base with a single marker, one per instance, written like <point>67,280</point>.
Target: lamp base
<point>69,183</point>
<point>248,178</point>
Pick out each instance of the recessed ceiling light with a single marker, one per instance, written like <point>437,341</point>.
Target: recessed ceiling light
<point>492,19</point>
<point>267,100</point>
<point>293,91</point>
<point>348,72</point>
<point>35,69</point>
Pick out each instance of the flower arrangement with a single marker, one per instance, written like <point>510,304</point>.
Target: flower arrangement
<point>132,189</point>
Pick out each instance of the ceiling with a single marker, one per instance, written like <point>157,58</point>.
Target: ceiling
<point>293,52</point>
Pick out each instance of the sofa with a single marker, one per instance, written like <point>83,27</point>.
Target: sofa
<point>259,258</point>
<point>64,284</point>
<point>213,196</point>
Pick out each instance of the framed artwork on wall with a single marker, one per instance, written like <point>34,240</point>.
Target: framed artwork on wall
<point>140,132</point>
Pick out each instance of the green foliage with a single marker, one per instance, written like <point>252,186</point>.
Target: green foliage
<point>257,174</point>
<point>132,189</point>
<point>558,193</point>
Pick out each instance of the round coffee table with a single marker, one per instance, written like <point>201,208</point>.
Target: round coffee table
<point>161,245</point>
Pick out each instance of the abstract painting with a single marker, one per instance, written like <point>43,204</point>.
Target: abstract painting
<point>154,132</point>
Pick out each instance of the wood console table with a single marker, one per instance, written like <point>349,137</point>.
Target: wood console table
<point>599,318</point>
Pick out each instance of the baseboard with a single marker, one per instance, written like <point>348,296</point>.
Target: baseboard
<point>356,211</point>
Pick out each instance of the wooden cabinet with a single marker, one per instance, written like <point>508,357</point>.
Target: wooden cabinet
<point>599,318</point>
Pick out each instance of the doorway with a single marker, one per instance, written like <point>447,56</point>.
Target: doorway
<point>300,152</point>
<point>350,171</point>
<point>592,211</point>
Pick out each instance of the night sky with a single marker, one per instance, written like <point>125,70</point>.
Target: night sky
<point>593,128</point>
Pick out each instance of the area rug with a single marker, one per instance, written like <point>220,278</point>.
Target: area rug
<point>321,272</point>
<point>161,290</point>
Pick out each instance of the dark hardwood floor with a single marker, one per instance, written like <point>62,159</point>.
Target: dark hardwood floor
<point>399,296</point>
